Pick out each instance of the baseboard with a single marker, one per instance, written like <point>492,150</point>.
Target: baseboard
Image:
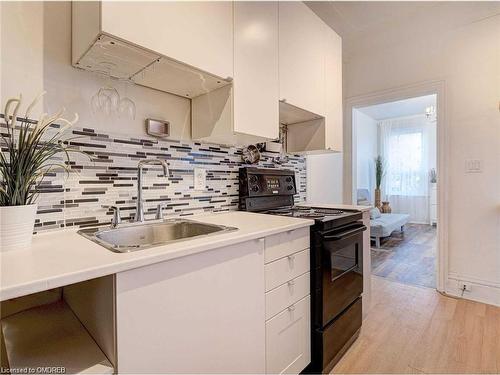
<point>481,290</point>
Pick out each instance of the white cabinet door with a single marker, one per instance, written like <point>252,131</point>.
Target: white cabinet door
<point>333,91</point>
<point>301,57</point>
<point>288,339</point>
<point>203,313</point>
<point>197,33</point>
<point>256,78</point>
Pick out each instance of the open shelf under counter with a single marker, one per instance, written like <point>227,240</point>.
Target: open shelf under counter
<point>62,330</point>
<point>52,336</point>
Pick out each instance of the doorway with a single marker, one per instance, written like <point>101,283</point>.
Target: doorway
<point>421,245</point>
<point>394,164</point>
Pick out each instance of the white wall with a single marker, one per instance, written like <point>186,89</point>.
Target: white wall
<point>21,52</point>
<point>365,135</point>
<point>36,55</point>
<point>324,178</point>
<point>467,58</point>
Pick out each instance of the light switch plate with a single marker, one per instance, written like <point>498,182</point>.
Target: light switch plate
<point>473,166</point>
<point>200,179</point>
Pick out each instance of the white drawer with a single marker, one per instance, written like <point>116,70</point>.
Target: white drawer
<point>282,244</point>
<point>285,269</point>
<point>288,339</point>
<point>287,294</point>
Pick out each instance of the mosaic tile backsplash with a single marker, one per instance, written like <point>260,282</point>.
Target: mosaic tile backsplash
<point>108,176</point>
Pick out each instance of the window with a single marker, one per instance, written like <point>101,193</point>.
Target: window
<point>406,172</point>
<point>405,148</point>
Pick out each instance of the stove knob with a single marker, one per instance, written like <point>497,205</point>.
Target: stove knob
<point>289,187</point>
<point>288,179</point>
<point>253,179</point>
<point>255,188</point>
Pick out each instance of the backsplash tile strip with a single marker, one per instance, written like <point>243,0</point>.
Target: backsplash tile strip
<point>108,176</point>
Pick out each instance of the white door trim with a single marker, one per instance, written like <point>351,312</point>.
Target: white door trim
<point>404,92</point>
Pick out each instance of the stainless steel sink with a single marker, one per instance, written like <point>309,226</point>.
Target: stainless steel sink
<point>135,237</point>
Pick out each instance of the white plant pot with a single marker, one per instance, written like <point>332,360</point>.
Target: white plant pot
<point>16,227</point>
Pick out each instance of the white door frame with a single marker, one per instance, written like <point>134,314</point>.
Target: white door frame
<point>400,93</point>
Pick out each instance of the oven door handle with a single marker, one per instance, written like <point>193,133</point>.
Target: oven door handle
<point>342,235</point>
<point>345,272</point>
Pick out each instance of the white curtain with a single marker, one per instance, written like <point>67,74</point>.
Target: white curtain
<point>405,145</point>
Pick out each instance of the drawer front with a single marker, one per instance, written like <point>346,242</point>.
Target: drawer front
<point>287,294</point>
<point>288,339</point>
<point>339,333</point>
<point>283,244</point>
<point>285,269</point>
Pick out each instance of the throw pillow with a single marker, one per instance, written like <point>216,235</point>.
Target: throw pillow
<point>375,213</point>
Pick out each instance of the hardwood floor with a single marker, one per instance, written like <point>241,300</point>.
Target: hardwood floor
<point>408,257</point>
<point>411,329</point>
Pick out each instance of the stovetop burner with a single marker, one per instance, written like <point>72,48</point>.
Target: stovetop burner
<point>304,212</point>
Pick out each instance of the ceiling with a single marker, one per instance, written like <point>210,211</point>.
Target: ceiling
<point>352,17</point>
<point>400,108</point>
<point>374,24</point>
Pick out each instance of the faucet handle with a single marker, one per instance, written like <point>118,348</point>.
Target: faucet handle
<point>116,219</point>
<point>159,210</point>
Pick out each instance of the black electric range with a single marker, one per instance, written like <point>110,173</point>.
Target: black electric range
<point>336,260</point>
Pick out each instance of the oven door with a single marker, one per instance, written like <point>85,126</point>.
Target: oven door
<point>342,276</point>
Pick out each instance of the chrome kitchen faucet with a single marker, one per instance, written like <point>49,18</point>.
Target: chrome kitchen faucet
<point>139,213</point>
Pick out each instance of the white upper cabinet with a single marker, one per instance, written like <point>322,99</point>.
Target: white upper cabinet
<point>197,33</point>
<point>185,48</point>
<point>310,81</point>
<point>302,57</point>
<point>256,78</point>
<point>247,66</point>
<point>249,111</point>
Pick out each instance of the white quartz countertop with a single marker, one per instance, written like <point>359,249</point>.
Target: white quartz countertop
<point>336,206</point>
<point>64,257</point>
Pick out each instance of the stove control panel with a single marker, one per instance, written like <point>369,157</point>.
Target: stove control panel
<point>277,185</point>
<point>264,185</point>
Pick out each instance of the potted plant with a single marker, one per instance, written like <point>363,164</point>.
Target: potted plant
<point>433,176</point>
<point>28,150</point>
<point>379,175</point>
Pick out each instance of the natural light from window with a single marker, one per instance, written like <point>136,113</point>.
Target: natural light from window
<point>406,175</point>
